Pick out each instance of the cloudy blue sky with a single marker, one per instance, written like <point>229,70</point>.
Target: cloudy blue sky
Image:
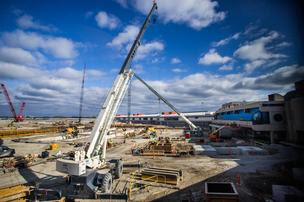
<point>198,53</point>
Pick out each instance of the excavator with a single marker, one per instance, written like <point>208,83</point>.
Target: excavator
<point>214,136</point>
<point>90,175</point>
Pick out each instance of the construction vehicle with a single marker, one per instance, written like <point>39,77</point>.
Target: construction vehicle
<point>217,134</point>
<point>194,130</point>
<point>164,146</point>
<point>72,131</point>
<point>6,151</point>
<point>150,133</point>
<point>17,117</point>
<point>214,136</point>
<point>90,175</point>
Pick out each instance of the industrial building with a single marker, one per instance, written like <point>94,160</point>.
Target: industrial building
<point>280,118</point>
<point>202,119</point>
<point>294,112</point>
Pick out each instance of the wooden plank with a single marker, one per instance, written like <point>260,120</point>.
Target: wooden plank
<point>13,193</point>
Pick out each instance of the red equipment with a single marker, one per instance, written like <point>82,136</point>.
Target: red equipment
<point>19,117</point>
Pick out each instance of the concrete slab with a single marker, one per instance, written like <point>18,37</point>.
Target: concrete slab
<point>283,193</point>
<point>251,150</point>
<point>204,150</point>
<point>198,150</point>
<point>228,151</point>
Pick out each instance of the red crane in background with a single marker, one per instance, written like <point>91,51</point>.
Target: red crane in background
<point>18,117</point>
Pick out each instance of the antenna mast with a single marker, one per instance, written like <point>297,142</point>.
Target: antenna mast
<point>81,94</point>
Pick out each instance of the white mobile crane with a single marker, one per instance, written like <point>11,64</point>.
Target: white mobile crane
<point>86,178</point>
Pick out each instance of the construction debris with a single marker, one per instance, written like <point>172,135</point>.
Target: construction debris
<point>144,176</point>
<point>9,164</point>
<point>165,147</point>
<point>162,175</point>
<point>13,133</point>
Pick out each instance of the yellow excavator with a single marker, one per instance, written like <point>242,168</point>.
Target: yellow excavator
<point>152,132</point>
<point>72,131</point>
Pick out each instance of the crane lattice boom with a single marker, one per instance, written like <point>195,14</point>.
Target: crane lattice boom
<point>16,117</point>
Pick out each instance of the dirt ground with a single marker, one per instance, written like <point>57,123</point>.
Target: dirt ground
<point>257,172</point>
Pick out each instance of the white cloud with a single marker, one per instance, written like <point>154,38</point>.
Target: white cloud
<point>63,88</point>
<point>40,89</point>
<point>17,71</point>
<point>227,40</point>
<point>94,73</point>
<point>281,78</point>
<point>157,60</point>
<point>106,20</point>
<point>17,55</point>
<point>126,36</point>
<point>257,49</point>
<point>257,52</point>
<point>68,72</point>
<point>186,93</point>
<point>249,67</point>
<point>212,57</point>
<point>175,61</point>
<point>138,68</point>
<point>57,46</point>
<point>123,3</point>
<point>226,67</point>
<point>23,72</point>
<point>149,48</point>
<point>195,13</point>
<point>71,73</point>
<point>284,44</point>
<point>27,22</point>
<point>178,70</point>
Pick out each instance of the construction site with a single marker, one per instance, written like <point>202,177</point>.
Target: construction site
<point>244,151</point>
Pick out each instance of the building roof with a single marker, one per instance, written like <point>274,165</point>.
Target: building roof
<point>169,115</point>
